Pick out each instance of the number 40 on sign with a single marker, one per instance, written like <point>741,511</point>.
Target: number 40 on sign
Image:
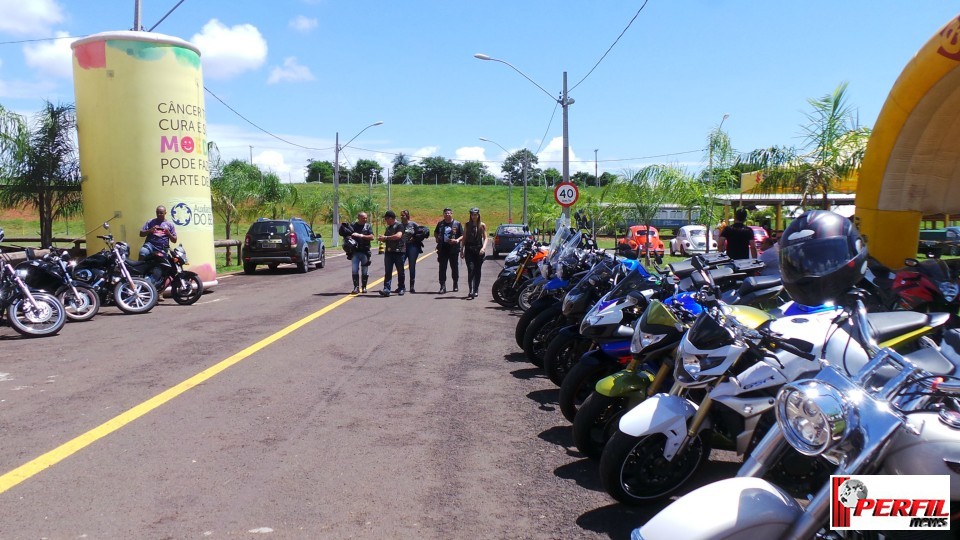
<point>566,194</point>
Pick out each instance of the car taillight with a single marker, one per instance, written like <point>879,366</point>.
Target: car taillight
<point>496,240</point>
<point>246,240</point>
<point>293,238</point>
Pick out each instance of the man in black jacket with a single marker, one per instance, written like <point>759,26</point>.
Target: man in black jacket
<point>393,251</point>
<point>448,233</point>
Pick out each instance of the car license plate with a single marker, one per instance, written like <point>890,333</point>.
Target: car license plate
<point>271,243</point>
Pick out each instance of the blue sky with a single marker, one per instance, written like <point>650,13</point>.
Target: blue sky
<point>304,70</point>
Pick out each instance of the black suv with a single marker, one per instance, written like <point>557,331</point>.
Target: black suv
<point>276,241</point>
<point>507,237</point>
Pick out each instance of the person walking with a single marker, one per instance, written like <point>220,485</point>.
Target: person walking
<point>737,239</point>
<point>393,253</point>
<point>159,233</point>
<point>360,231</point>
<point>414,243</point>
<point>474,249</point>
<point>448,233</point>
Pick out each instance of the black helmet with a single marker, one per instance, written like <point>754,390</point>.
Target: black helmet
<point>822,256</point>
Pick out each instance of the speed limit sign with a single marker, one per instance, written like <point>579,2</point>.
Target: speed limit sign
<point>566,194</point>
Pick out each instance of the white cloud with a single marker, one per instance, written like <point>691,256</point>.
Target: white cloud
<point>51,57</point>
<point>290,72</point>
<point>272,160</point>
<point>228,52</point>
<point>552,156</point>
<point>31,17</point>
<point>303,24</point>
<point>426,151</point>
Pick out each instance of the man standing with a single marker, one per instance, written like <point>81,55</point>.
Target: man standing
<point>393,252</point>
<point>361,231</point>
<point>737,239</point>
<point>159,233</point>
<point>448,233</point>
<point>414,245</point>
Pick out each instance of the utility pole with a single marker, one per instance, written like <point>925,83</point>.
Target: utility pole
<point>251,155</point>
<point>595,175</point>
<point>136,16</point>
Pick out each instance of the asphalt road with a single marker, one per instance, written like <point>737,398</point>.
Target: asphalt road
<point>279,405</point>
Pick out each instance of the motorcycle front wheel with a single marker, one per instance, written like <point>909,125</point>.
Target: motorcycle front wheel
<point>634,471</point>
<point>503,292</point>
<point>137,298</point>
<point>45,318</point>
<point>597,421</point>
<point>563,352</point>
<point>186,288</point>
<point>81,306</point>
<point>528,294</point>
<point>580,383</point>
<point>540,332</point>
<point>529,315</point>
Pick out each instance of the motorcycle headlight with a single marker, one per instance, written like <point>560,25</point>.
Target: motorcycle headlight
<point>949,291</point>
<point>641,340</point>
<point>693,364</point>
<point>814,416</point>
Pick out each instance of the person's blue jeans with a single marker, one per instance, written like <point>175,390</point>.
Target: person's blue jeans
<point>410,258</point>
<point>361,262</point>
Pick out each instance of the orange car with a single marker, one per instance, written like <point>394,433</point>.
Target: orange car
<point>639,240</point>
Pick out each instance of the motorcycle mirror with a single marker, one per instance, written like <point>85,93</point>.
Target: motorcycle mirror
<point>106,225</point>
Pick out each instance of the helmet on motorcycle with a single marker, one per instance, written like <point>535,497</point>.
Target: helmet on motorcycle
<point>822,256</point>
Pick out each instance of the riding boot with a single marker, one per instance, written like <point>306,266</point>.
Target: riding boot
<point>363,284</point>
<point>412,288</point>
<point>356,284</point>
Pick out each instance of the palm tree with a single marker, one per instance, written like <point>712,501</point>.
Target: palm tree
<point>40,166</point>
<point>232,187</point>
<point>833,148</point>
<point>645,191</point>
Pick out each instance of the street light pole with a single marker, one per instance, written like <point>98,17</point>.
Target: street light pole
<point>564,102</point>
<point>596,175</point>
<point>336,180</point>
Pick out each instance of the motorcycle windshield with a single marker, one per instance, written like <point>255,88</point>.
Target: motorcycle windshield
<point>935,269</point>
<point>633,281</point>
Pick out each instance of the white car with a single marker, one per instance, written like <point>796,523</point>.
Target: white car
<point>691,239</point>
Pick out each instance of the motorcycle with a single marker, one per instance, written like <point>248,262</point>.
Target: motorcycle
<point>927,285</point>
<point>165,269</point>
<point>894,414</point>
<point>729,279</point>
<point>518,268</point>
<point>30,313</point>
<point>107,273</point>
<point>52,274</point>
<point>546,289</point>
<point>729,371</point>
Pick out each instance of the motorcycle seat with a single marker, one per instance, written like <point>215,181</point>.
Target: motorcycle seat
<point>137,264</point>
<point>888,325</point>
<point>756,283</point>
<point>934,361</point>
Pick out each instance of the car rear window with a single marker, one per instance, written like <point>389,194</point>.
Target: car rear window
<point>267,227</point>
<point>513,229</point>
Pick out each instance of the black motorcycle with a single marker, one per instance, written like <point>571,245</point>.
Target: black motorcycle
<point>165,269</point>
<point>51,274</point>
<point>107,273</point>
<point>33,314</point>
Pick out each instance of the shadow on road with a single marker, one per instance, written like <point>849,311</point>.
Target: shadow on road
<point>583,472</point>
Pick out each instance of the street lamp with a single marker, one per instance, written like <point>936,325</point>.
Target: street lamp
<point>564,102</point>
<point>336,180</point>
<point>526,165</point>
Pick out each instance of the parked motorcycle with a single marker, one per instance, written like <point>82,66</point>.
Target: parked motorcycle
<point>728,374</point>
<point>519,267</point>
<point>31,313</point>
<point>927,285</point>
<point>897,414</point>
<point>107,273</point>
<point>165,269</point>
<point>52,274</point>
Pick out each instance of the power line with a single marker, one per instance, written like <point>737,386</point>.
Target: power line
<point>611,46</point>
<point>38,39</point>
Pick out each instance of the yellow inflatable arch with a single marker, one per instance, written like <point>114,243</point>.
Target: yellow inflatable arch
<point>912,163</point>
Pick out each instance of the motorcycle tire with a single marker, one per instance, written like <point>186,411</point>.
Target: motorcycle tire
<point>186,288</point>
<point>634,471</point>
<point>540,331</point>
<point>140,298</point>
<point>80,307</point>
<point>563,352</point>
<point>528,316</point>
<point>504,293</point>
<point>579,384</point>
<point>46,320</point>
<point>528,295</point>
<point>597,421</point>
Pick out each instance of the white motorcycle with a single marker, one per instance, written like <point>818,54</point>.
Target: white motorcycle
<point>727,375</point>
<point>895,415</point>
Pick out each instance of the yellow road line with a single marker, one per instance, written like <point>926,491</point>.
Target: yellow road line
<point>73,446</point>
